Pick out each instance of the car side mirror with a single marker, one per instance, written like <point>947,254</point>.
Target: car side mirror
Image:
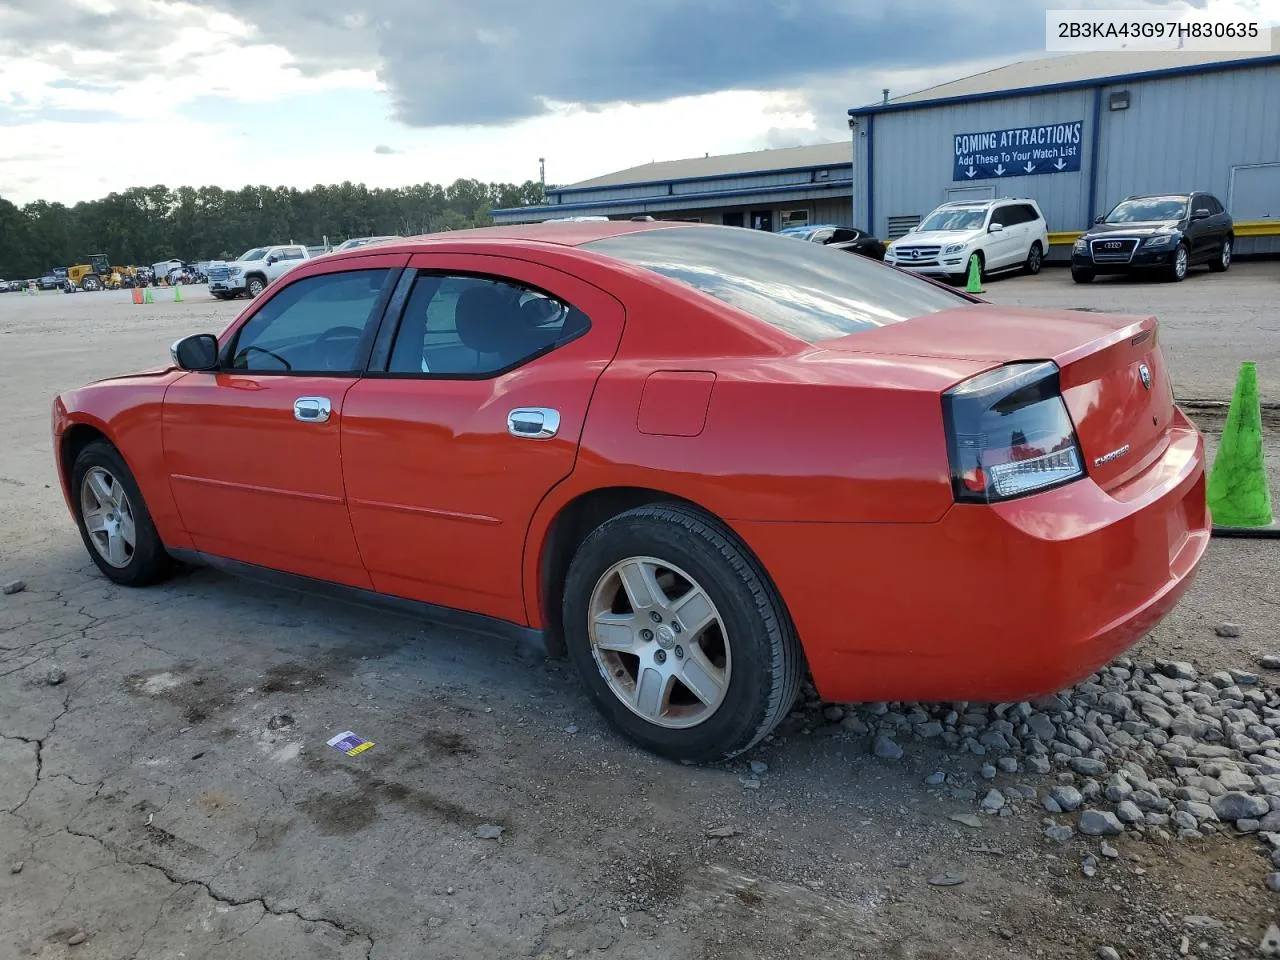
<point>1200,214</point>
<point>196,353</point>
<point>273,258</point>
<point>996,228</point>
<point>1100,218</point>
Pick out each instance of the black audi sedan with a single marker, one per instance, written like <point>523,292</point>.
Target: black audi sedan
<point>1164,234</point>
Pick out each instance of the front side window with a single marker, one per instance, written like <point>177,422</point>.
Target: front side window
<point>808,290</point>
<point>1148,209</point>
<point>473,326</point>
<point>290,253</point>
<point>953,219</point>
<point>315,325</point>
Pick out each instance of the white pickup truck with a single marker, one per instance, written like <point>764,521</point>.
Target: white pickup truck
<point>253,270</point>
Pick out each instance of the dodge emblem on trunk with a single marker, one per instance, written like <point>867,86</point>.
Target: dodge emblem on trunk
<point>1145,373</point>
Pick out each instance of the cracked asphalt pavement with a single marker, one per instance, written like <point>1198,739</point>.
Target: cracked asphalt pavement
<point>166,790</point>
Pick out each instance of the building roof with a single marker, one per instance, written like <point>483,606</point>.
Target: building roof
<point>1076,69</point>
<point>756,161</point>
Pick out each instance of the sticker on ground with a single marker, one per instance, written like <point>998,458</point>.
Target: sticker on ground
<point>350,744</point>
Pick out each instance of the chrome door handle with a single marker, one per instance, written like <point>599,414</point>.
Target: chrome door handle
<point>312,409</point>
<point>533,423</point>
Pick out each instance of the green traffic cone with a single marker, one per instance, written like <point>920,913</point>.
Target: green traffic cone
<point>1237,493</point>
<point>975,276</point>
<point>177,294</point>
<point>147,297</point>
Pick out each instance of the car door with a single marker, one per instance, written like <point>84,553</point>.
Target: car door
<point>1220,224</point>
<point>1199,229</point>
<point>253,450</point>
<point>475,415</point>
<point>1002,247</point>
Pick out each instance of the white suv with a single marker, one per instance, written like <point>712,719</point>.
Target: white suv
<point>1003,234</point>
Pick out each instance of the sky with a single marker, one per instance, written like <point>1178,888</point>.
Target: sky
<point>100,95</point>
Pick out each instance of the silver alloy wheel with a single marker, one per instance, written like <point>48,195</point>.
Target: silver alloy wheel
<point>1226,254</point>
<point>108,516</point>
<point>660,642</point>
<point>256,287</point>
<point>1180,262</point>
<point>1034,262</point>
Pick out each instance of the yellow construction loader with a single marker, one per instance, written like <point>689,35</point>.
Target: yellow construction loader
<point>95,272</point>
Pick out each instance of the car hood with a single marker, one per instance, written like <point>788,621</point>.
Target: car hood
<point>928,238</point>
<point>1139,229</point>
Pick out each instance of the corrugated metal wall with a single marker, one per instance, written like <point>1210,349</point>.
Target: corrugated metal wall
<point>1179,133</point>
<point>914,154</point>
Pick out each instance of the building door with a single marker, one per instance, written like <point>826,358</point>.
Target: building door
<point>762,220</point>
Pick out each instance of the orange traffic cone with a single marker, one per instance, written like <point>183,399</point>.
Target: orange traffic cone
<point>137,294</point>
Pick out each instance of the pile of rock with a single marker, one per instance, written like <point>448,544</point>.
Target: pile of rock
<point>1151,747</point>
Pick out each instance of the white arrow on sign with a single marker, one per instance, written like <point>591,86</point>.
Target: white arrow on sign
<point>970,172</point>
<point>1029,167</point>
<point>999,170</point>
<point>1061,164</point>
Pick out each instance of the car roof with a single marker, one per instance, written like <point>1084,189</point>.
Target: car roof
<point>562,233</point>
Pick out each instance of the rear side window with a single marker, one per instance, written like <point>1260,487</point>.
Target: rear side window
<point>805,289</point>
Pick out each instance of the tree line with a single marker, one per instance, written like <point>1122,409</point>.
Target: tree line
<point>143,225</point>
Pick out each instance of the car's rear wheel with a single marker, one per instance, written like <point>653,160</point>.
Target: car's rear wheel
<point>1035,259</point>
<point>679,637</point>
<point>1222,262</point>
<point>113,519</point>
<point>1181,261</point>
<point>1081,276</point>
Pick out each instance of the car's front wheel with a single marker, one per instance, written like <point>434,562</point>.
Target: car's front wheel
<point>1181,261</point>
<point>679,637</point>
<point>1080,275</point>
<point>113,519</point>
<point>1222,262</point>
<point>255,286</point>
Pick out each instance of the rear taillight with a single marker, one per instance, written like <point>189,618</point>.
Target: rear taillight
<point>1009,434</point>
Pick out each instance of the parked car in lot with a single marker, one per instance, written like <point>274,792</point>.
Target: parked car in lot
<point>697,459</point>
<point>253,270</point>
<point>1004,234</point>
<point>1163,234</point>
<point>849,239</point>
<point>355,242</point>
<point>52,280</point>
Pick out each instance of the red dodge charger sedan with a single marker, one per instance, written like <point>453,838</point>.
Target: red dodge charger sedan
<point>698,460</point>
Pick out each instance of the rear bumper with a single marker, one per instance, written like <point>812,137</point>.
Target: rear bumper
<point>993,603</point>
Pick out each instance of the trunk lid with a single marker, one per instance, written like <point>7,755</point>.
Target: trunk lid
<point>1121,416</point>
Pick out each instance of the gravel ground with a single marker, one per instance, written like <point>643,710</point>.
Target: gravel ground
<point>166,789</point>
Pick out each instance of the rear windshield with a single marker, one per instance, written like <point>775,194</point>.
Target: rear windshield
<point>806,289</point>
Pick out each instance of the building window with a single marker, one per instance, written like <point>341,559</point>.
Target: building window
<point>794,218</point>
<point>732,219</point>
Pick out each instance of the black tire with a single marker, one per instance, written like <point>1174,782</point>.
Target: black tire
<point>254,286</point>
<point>767,660</point>
<point>1172,274</point>
<point>1081,276</point>
<point>1035,259</point>
<point>1222,262</point>
<point>90,284</point>
<point>149,563</point>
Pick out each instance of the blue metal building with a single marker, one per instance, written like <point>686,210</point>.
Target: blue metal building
<point>765,189</point>
<point>1079,133</point>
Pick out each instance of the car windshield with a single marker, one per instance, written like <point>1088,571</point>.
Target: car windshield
<point>805,289</point>
<point>1146,209</point>
<point>954,220</point>
<point>257,253</point>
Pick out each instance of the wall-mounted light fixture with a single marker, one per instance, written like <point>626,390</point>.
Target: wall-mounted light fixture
<point>1119,100</point>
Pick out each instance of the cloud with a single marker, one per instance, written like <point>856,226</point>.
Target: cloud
<point>501,61</point>
<point>383,150</point>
